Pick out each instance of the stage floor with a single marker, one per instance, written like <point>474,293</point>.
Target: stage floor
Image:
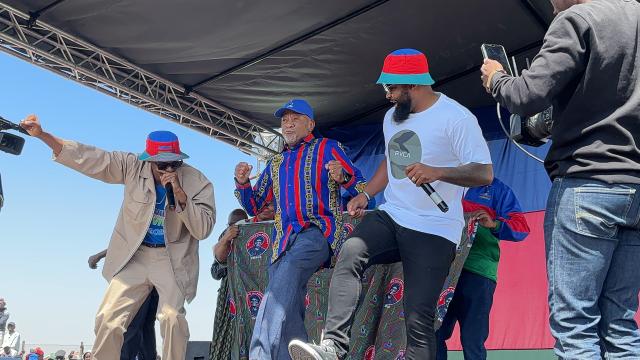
<point>510,355</point>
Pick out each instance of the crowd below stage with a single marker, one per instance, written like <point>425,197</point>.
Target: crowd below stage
<point>13,348</point>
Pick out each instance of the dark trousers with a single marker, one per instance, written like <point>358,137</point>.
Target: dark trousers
<point>140,337</point>
<point>470,307</point>
<point>425,262</point>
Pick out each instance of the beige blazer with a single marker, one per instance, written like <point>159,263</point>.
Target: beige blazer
<point>183,227</point>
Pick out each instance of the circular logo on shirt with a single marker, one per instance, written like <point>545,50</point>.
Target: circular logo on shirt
<point>394,293</point>
<point>254,298</point>
<point>443,302</point>
<point>258,243</point>
<point>404,149</point>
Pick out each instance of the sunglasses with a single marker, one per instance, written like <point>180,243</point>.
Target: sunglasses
<point>163,165</point>
<point>389,88</point>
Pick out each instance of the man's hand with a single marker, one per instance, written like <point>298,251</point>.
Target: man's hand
<point>231,233</point>
<point>242,173</point>
<point>420,173</point>
<point>336,171</point>
<point>483,218</point>
<point>172,178</point>
<point>489,67</point>
<point>223,247</point>
<point>93,261</point>
<point>357,206</point>
<point>32,125</point>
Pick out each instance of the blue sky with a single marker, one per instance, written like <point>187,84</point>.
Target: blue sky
<point>54,218</point>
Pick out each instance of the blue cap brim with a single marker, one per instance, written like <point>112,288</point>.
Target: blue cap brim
<point>408,79</point>
<point>281,111</point>
<point>163,157</point>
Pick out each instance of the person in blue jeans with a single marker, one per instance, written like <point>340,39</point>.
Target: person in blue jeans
<point>500,217</point>
<point>303,182</point>
<point>589,69</point>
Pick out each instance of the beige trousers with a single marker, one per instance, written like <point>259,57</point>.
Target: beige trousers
<point>148,268</point>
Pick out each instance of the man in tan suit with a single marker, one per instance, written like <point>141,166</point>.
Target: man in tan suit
<point>153,244</point>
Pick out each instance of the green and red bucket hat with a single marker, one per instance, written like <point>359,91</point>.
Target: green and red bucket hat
<point>405,67</point>
<point>162,146</point>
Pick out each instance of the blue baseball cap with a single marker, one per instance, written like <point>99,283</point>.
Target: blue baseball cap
<point>296,105</point>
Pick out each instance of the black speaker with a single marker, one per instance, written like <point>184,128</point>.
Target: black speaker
<point>198,350</point>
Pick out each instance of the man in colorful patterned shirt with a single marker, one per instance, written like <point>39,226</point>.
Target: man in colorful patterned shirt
<point>304,184</point>
<point>498,212</point>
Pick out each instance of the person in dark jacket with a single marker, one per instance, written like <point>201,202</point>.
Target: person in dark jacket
<point>589,70</point>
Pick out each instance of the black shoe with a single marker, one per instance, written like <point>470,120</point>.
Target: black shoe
<point>300,350</point>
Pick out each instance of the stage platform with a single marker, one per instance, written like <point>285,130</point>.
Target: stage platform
<point>546,354</point>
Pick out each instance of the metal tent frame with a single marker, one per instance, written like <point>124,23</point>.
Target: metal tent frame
<point>23,35</point>
<point>53,49</point>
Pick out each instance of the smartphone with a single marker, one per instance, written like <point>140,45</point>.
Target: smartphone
<point>497,53</point>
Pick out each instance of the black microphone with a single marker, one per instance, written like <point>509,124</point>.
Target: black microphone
<point>170,198</point>
<point>435,197</point>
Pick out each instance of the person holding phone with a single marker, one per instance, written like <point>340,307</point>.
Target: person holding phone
<point>151,246</point>
<point>589,69</point>
<point>497,53</point>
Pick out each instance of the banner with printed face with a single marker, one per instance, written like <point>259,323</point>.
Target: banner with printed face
<point>378,330</point>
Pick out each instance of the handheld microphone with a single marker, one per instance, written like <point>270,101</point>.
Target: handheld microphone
<point>170,198</point>
<point>435,197</point>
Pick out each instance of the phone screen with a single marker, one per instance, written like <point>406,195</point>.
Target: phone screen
<point>497,53</point>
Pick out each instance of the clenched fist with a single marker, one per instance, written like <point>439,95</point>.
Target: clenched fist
<point>32,125</point>
<point>420,173</point>
<point>336,171</point>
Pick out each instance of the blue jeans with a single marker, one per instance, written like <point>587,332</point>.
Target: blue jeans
<point>592,242</point>
<point>280,318</point>
<point>470,307</point>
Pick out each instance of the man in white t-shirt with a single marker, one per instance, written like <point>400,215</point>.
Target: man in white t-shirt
<point>430,139</point>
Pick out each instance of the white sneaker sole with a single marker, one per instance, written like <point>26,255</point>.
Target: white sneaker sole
<point>301,351</point>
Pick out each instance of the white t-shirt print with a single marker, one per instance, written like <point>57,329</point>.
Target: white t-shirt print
<point>444,135</point>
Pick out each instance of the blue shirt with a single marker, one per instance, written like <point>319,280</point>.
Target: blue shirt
<point>302,191</point>
<point>155,233</point>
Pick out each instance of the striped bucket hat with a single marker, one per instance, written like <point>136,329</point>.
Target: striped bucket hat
<point>162,146</point>
<point>405,67</point>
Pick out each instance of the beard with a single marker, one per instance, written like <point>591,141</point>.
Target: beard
<point>289,139</point>
<point>403,107</point>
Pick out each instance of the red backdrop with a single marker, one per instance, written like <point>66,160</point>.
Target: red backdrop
<point>520,314</point>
